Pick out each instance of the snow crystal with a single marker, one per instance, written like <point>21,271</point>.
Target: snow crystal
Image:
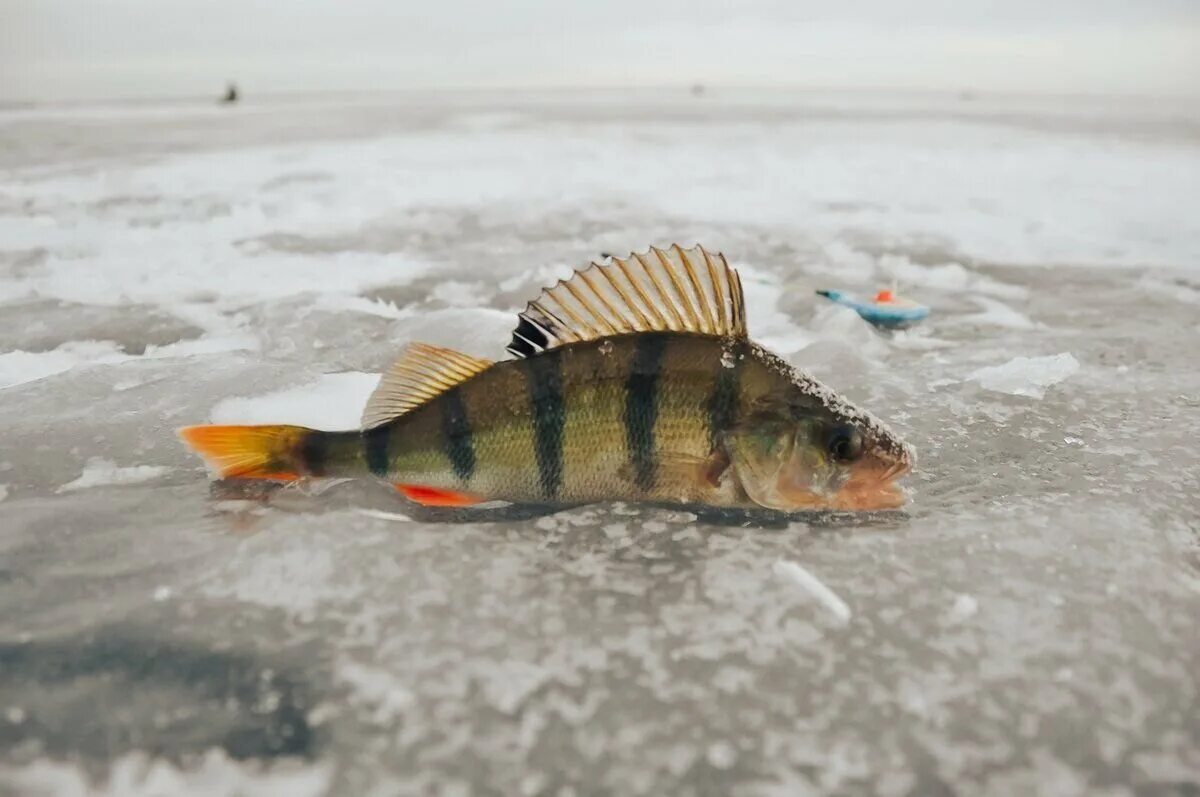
<point>100,472</point>
<point>813,586</point>
<point>1026,376</point>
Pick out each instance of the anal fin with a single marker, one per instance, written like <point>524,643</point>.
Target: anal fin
<point>436,496</point>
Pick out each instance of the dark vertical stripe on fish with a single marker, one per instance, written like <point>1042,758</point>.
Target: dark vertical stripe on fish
<point>456,434</point>
<point>314,452</point>
<point>544,376</point>
<point>722,404</point>
<point>375,446</point>
<point>641,408</point>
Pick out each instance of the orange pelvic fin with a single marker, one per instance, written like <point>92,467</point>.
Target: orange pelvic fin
<point>435,496</point>
<point>248,452</point>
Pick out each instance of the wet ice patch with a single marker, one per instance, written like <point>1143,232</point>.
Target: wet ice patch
<point>99,472</point>
<point>332,402</point>
<point>1026,376</point>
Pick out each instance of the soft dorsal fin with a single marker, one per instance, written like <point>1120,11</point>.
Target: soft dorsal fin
<point>422,373</point>
<point>661,290</point>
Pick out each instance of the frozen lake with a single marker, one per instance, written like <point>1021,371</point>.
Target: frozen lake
<point>1027,625</point>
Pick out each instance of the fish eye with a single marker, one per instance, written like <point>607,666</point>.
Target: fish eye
<point>845,443</point>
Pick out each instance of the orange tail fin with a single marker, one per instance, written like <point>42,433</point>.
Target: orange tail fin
<point>250,452</point>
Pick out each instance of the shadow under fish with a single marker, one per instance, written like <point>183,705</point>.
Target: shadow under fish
<point>261,492</point>
<point>765,519</point>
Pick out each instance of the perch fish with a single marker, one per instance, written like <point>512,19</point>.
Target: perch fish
<point>633,380</point>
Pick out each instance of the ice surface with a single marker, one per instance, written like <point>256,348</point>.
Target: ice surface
<point>1025,625</point>
<point>1027,376</point>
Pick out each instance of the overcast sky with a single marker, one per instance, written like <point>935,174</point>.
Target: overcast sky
<point>90,49</point>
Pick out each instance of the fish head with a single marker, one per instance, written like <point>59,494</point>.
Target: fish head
<point>800,452</point>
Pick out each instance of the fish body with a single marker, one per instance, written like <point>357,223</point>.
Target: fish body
<point>700,415</point>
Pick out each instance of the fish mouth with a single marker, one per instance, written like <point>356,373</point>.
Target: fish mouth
<point>895,471</point>
<point>873,487</point>
<point>868,488</point>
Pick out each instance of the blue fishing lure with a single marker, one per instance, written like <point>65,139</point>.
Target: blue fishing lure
<point>886,311</point>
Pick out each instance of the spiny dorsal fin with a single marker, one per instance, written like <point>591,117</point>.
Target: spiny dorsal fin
<point>422,373</point>
<point>674,289</point>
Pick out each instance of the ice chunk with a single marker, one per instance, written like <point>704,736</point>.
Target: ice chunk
<point>997,314</point>
<point>333,402</point>
<point>1026,376</point>
<point>769,325</point>
<point>99,472</point>
<point>813,586</point>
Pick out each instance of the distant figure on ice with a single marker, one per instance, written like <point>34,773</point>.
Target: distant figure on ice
<point>231,94</point>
